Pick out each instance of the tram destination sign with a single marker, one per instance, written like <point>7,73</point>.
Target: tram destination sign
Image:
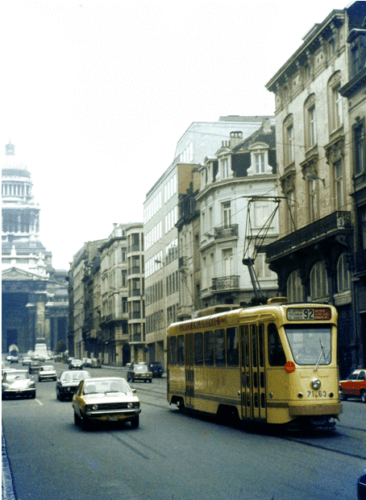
<point>309,314</point>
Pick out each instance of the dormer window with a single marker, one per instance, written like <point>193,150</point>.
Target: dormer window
<point>225,168</point>
<point>259,159</point>
<point>259,163</point>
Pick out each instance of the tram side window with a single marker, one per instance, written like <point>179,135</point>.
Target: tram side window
<point>220,348</point>
<point>232,340</point>
<point>173,350</point>
<point>209,348</point>
<point>276,355</point>
<point>198,349</point>
<point>180,350</point>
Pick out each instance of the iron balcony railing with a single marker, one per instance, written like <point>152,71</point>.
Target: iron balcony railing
<point>337,222</point>
<point>225,283</point>
<point>229,231</point>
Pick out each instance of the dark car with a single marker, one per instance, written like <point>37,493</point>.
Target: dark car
<point>139,372</point>
<point>68,382</point>
<point>156,368</point>
<point>361,489</point>
<point>34,367</point>
<point>76,364</point>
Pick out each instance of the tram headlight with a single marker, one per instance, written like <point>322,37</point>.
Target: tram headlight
<point>315,384</point>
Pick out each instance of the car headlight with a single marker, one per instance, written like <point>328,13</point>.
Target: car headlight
<point>315,384</point>
<point>94,407</point>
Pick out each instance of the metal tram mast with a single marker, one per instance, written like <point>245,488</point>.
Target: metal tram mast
<point>253,242</point>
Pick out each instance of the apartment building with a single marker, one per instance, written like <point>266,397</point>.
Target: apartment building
<point>114,296</point>
<point>315,247</point>
<point>354,92</point>
<point>240,171</point>
<point>135,303</point>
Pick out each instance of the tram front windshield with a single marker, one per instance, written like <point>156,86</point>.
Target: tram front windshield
<point>310,345</point>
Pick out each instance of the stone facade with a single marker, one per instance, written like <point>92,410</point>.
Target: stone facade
<point>315,245</point>
<point>34,294</point>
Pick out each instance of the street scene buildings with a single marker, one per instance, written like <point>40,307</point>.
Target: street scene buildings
<point>197,245</point>
<point>34,294</point>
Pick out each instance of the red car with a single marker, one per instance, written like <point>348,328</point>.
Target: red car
<point>355,385</point>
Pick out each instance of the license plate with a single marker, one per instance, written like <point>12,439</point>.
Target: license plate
<point>113,418</point>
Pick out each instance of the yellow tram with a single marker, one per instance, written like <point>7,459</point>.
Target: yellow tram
<point>274,363</point>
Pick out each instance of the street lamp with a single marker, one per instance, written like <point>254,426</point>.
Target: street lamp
<point>313,177</point>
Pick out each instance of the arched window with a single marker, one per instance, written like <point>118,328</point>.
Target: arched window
<point>319,281</point>
<point>294,287</point>
<point>343,274</point>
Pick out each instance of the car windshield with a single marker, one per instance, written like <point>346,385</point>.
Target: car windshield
<point>140,368</point>
<point>15,376</point>
<point>74,376</point>
<point>104,386</point>
<point>310,345</point>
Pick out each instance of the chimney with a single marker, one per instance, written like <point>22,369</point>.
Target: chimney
<point>235,138</point>
<point>266,125</point>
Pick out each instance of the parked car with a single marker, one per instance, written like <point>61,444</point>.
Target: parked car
<point>139,372</point>
<point>34,366</point>
<point>26,361</point>
<point>87,362</point>
<point>96,363</point>
<point>76,364</point>
<point>355,385</point>
<point>12,359</point>
<point>47,372</point>
<point>68,382</point>
<point>156,368</point>
<point>361,488</point>
<point>105,399</point>
<point>18,383</point>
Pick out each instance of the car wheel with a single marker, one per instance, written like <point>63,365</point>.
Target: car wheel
<point>150,380</point>
<point>363,396</point>
<point>85,424</point>
<point>33,396</point>
<point>135,422</point>
<point>344,397</point>
<point>77,420</point>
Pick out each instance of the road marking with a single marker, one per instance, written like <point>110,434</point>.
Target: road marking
<point>38,401</point>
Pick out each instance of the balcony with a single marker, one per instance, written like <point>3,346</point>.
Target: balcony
<point>119,316</point>
<point>222,232</point>
<point>225,283</point>
<point>134,270</point>
<point>136,338</point>
<point>182,262</point>
<point>136,292</point>
<point>337,223</point>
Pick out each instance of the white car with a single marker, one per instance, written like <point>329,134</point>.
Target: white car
<point>47,372</point>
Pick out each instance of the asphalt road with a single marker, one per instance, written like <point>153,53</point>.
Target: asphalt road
<point>174,456</point>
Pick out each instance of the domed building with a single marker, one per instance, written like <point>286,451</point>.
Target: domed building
<point>34,294</point>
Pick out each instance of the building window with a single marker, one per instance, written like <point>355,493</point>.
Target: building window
<point>359,148</point>
<point>226,213</point>
<point>290,212</point>
<point>313,200</point>
<point>343,274</point>
<point>338,185</point>
<point>260,167</point>
<point>318,281</point>
<point>225,168</point>
<point>290,144</point>
<point>261,267</point>
<point>312,126</point>
<point>332,47</point>
<point>337,107</point>
<point>295,291</point>
<point>227,261</point>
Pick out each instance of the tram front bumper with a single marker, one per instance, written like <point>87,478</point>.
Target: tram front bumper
<point>324,409</point>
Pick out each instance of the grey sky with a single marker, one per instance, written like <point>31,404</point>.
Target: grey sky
<point>97,94</point>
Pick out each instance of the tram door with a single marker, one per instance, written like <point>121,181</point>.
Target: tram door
<point>189,368</point>
<point>252,372</point>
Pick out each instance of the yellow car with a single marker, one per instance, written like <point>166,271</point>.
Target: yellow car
<point>105,399</point>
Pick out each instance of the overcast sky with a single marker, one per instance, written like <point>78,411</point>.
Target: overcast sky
<point>95,95</point>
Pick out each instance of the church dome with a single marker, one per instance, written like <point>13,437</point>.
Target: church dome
<point>12,165</point>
